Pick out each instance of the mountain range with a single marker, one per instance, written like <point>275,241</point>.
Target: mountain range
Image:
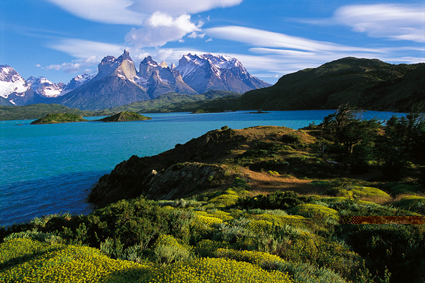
<point>119,83</point>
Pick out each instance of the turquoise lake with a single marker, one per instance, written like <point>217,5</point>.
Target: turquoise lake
<point>48,169</point>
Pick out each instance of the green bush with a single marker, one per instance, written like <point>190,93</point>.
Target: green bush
<point>400,248</point>
<point>275,200</point>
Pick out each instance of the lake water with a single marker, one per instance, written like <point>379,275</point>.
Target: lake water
<point>48,169</point>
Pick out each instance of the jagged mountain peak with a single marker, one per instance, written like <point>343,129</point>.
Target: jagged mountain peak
<point>149,61</point>
<point>109,64</point>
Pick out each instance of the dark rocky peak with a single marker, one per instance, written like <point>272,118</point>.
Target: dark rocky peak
<point>149,61</point>
<point>109,64</point>
<point>147,66</point>
<point>125,56</point>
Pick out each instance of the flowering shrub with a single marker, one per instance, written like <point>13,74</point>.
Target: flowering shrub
<point>228,198</point>
<point>168,249</point>
<point>25,260</point>
<point>203,224</point>
<point>255,257</point>
<point>310,210</point>
<point>215,270</point>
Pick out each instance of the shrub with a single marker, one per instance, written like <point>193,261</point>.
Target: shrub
<point>400,248</point>
<point>363,192</point>
<point>255,257</point>
<point>276,200</point>
<point>167,250</point>
<point>215,270</point>
<point>308,273</point>
<point>310,210</point>
<point>228,198</point>
<point>207,247</point>
<point>25,260</point>
<point>412,203</point>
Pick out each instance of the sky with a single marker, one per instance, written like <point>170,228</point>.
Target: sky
<point>60,39</point>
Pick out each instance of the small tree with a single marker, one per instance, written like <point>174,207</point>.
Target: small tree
<point>353,135</point>
<point>404,140</point>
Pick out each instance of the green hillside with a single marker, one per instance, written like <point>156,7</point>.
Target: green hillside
<point>366,83</point>
<point>36,111</point>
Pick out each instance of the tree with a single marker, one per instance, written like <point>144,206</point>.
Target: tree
<point>353,135</point>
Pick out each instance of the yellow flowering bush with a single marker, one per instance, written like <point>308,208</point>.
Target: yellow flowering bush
<point>215,270</point>
<point>203,224</point>
<point>293,220</point>
<point>310,210</point>
<point>229,197</point>
<point>368,192</point>
<point>255,257</point>
<point>25,260</point>
<point>260,226</point>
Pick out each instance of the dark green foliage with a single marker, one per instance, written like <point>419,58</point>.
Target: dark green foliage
<point>345,129</point>
<point>135,222</point>
<point>276,200</point>
<point>400,248</point>
<point>403,141</point>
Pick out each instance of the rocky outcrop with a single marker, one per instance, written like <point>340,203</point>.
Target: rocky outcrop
<point>179,171</point>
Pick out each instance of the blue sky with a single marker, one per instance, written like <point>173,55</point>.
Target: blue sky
<point>60,39</point>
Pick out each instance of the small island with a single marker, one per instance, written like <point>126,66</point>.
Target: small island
<point>125,116</point>
<point>54,118</point>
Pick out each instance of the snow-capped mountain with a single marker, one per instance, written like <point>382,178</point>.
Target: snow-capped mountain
<point>76,82</point>
<point>44,87</point>
<point>214,72</point>
<point>18,91</point>
<point>114,85</point>
<point>118,82</point>
<point>12,85</point>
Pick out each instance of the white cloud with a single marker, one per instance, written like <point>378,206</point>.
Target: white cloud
<point>75,66</point>
<point>103,11</point>
<point>177,8</point>
<point>134,12</point>
<point>392,21</point>
<point>159,29</point>
<point>264,38</point>
<point>88,54</point>
<point>83,49</point>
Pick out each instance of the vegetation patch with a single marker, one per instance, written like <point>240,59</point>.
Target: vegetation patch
<point>55,118</point>
<point>125,116</point>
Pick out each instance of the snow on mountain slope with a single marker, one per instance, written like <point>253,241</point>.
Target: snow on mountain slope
<point>11,82</point>
<point>44,87</point>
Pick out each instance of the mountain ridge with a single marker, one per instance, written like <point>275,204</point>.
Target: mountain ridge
<point>366,83</point>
